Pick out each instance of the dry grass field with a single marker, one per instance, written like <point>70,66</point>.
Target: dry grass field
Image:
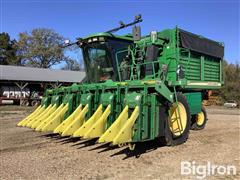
<point>26,154</point>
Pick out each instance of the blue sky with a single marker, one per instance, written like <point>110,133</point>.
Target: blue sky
<point>217,20</point>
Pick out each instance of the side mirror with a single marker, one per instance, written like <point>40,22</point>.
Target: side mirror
<point>136,33</point>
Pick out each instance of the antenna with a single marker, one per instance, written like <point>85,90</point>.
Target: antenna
<point>137,19</point>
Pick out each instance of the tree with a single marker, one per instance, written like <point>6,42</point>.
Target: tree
<point>41,48</point>
<point>76,61</point>
<point>7,50</point>
<point>72,65</point>
<point>230,90</point>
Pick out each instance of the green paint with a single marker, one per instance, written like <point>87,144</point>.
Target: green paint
<point>150,91</point>
<point>194,100</point>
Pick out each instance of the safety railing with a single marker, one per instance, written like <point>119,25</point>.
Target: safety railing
<point>137,70</point>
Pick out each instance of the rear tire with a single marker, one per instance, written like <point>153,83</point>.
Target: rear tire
<point>172,138</point>
<point>199,121</point>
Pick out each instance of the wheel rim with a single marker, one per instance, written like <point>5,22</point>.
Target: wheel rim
<point>178,126</point>
<point>34,103</point>
<point>200,119</point>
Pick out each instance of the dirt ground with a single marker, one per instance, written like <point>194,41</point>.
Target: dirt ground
<point>26,154</point>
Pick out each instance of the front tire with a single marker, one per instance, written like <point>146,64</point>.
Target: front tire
<point>176,133</point>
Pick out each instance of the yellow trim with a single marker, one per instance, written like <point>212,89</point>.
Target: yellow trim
<point>99,126</point>
<point>200,119</point>
<point>53,123</point>
<point>77,123</point>
<point>31,116</point>
<point>44,115</point>
<point>203,83</point>
<point>50,115</point>
<point>89,123</point>
<point>68,121</point>
<point>122,83</point>
<point>131,146</point>
<point>35,117</point>
<point>178,126</point>
<point>126,132</point>
<point>112,131</point>
<point>149,82</point>
<point>121,131</point>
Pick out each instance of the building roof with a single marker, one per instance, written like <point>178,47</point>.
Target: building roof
<point>19,73</point>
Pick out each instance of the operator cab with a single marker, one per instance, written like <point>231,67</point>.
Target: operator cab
<point>104,54</point>
<point>99,52</point>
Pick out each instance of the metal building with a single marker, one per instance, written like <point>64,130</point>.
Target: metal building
<point>17,82</point>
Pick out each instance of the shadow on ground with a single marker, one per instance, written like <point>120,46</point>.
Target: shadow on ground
<point>140,148</point>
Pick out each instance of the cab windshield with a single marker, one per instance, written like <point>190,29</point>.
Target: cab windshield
<point>98,62</point>
<point>99,58</point>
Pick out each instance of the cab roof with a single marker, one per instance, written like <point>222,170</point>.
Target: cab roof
<point>127,37</point>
